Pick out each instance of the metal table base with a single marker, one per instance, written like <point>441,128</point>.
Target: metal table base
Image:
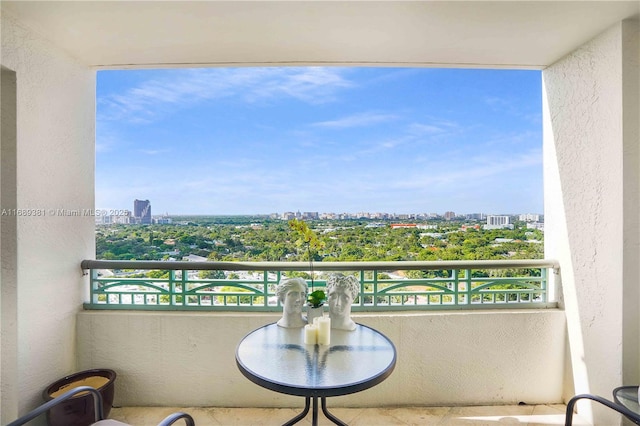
<point>314,418</point>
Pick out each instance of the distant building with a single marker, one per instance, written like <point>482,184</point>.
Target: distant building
<point>162,220</point>
<point>103,220</point>
<point>194,258</point>
<point>423,226</point>
<point>477,216</point>
<point>449,215</point>
<point>288,215</point>
<point>379,215</point>
<point>498,222</point>
<point>123,219</point>
<point>403,225</point>
<point>503,240</point>
<point>375,225</point>
<point>328,216</point>
<point>529,217</point>
<point>142,211</point>
<point>536,225</point>
<point>437,235</point>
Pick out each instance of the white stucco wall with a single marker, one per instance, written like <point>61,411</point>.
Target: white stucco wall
<point>444,358</point>
<point>55,170</point>
<point>631,221</point>
<point>585,216</point>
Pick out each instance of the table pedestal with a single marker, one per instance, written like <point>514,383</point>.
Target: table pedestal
<point>314,421</point>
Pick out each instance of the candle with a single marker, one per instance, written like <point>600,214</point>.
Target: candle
<point>316,320</point>
<point>324,331</point>
<point>310,334</point>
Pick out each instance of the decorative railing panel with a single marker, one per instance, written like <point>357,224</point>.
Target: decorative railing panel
<point>250,286</point>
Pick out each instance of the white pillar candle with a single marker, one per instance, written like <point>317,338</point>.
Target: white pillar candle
<point>316,320</point>
<point>324,331</point>
<point>310,334</point>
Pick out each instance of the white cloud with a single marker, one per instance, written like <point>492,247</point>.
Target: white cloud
<point>431,129</point>
<point>357,120</point>
<point>177,89</point>
<point>312,85</point>
<point>154,151</point>
<point>475,169</point>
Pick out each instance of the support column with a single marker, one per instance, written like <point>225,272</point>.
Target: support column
<point>8,250</point>
<point>631,207</point>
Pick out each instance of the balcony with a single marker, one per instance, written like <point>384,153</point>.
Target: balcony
<point>532,321</point>
<point>588,54</point>
<point>494,327</point>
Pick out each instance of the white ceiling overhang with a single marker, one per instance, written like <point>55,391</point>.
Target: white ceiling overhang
<point>128,34</point>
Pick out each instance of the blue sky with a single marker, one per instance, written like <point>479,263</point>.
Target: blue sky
<point>325,139</point>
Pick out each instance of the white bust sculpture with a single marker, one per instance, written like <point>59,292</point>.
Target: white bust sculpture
<point>341,292</point>
<point>292,294</point>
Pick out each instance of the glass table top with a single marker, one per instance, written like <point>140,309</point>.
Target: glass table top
<point>277,358</point>
<point>628,396</point>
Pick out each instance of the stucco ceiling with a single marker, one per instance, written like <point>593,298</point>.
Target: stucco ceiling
<point>124,34</point>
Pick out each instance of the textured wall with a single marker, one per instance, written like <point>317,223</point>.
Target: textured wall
<point>55,170</point>
<point>585,210</point>
<point>457,358</point>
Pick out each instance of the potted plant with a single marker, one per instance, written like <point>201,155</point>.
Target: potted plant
<point>307,237</point>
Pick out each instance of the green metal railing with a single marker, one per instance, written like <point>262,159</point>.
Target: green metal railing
<point>384,286</point>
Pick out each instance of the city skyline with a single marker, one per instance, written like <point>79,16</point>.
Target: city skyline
<point>145,205</point>
<point>263,140</point>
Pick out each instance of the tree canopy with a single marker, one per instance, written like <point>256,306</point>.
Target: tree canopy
<point>337,240</point>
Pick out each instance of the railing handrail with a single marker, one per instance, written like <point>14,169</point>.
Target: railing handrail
<point>321,266</point>
<point>460,284</point>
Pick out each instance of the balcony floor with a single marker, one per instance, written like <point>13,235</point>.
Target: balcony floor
<point>485,415</point>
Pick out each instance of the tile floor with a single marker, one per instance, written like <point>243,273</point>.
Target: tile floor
<point>531,415</point>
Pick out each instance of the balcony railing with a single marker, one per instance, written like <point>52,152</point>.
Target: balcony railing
<point>250,286</point>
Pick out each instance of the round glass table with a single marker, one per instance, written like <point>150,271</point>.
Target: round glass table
<point>276,358</point>
<point>627,396</point>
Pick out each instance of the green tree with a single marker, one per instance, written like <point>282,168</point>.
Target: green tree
<point>212,274</point>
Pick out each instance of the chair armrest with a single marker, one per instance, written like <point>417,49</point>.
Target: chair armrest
<point>97,405</point>
<point>172,418</point>
<point>634,417</point>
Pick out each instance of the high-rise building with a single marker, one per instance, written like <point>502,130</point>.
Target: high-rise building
<point>498,222</point>
<point>142,211</point>
<point>449,215</point>
<point>477,216</point>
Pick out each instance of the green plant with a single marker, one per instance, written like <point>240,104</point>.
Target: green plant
<point>316,298</point>
<point>309,238</point>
